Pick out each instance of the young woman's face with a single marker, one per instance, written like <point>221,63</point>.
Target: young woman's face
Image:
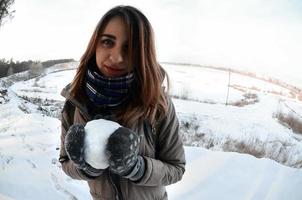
<point>111,50</point>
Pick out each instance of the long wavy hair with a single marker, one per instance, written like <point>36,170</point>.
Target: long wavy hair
<point>147,96</point>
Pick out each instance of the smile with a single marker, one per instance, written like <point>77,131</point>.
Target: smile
<point>113,68</point>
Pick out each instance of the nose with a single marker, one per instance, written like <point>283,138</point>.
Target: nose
<point>116,55</point>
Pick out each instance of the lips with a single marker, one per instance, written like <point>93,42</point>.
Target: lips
<point>113,70</point>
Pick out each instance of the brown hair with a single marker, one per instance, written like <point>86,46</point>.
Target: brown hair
<point>147,97</point>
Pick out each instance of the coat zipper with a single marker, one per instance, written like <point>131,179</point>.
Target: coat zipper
<point>114,186</point>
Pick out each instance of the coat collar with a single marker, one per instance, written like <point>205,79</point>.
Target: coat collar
<point>80,105</point>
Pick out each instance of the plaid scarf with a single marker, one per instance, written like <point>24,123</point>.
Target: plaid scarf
<point>107,91</point>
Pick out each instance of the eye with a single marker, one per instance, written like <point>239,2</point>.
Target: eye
<point>107,42</point>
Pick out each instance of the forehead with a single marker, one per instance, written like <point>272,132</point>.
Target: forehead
<point>116,27</point>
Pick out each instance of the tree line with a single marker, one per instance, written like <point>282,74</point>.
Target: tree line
<point>9,67</point>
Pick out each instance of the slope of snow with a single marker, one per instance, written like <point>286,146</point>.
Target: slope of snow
<point>30,141</point>
<point>30,170</point>
<point>209,84</point>
<point>48,87</point>
<point>250,129</point>
<point>220,175</point>
<point>28,152</point>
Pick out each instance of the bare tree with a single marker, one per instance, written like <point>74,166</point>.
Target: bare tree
<point>35,69</point>
<point>5,11</point>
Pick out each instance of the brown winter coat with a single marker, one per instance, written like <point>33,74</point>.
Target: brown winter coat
<point>164,166</point>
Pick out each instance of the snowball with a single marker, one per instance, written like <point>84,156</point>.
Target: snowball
<point>97,133</point>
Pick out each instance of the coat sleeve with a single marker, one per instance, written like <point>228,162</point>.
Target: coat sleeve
<point>67,165</point>
<point>169,167</point>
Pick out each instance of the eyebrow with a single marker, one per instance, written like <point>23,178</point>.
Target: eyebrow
<point>110,36</point>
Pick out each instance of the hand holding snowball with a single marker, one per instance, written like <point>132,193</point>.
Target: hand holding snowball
<point>96,138</point>
<point>122,150</point>
<point>104,143</point>
<point>74,146</point>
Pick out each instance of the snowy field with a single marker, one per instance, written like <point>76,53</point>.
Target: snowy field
<point>213,133</point>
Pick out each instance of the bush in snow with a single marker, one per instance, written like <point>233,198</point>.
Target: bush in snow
<point>290,120</point>
<point>249,98</point>
<point>183,94</point>
<point>191,134</point>
<point>48,107</point>
<point>3,96</point>
<point>194,133</point>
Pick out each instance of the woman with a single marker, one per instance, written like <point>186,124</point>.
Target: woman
<point>120,79</point>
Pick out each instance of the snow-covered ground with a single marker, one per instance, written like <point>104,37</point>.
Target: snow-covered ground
<point>30,138</point>
<point>221,175</point>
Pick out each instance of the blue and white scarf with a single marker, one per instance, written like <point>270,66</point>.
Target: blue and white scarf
<point>107,91</point>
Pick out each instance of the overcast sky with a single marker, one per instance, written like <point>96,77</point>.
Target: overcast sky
<point>259,35</point>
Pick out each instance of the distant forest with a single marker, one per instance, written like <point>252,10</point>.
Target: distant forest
<point>9,67</point>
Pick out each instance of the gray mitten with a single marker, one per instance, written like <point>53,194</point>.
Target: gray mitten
<point>122,151</point>
<point>74,146</point>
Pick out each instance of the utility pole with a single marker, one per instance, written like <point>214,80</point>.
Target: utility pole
<point>227,97</point>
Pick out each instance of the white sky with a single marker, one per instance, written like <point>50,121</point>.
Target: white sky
<point>261,36</point>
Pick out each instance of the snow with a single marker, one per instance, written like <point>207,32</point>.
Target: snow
<point>220,175</point>
<point>30,140</point>
<point>97,133</point>
<point>210,84</point>
<point>46,87</point>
